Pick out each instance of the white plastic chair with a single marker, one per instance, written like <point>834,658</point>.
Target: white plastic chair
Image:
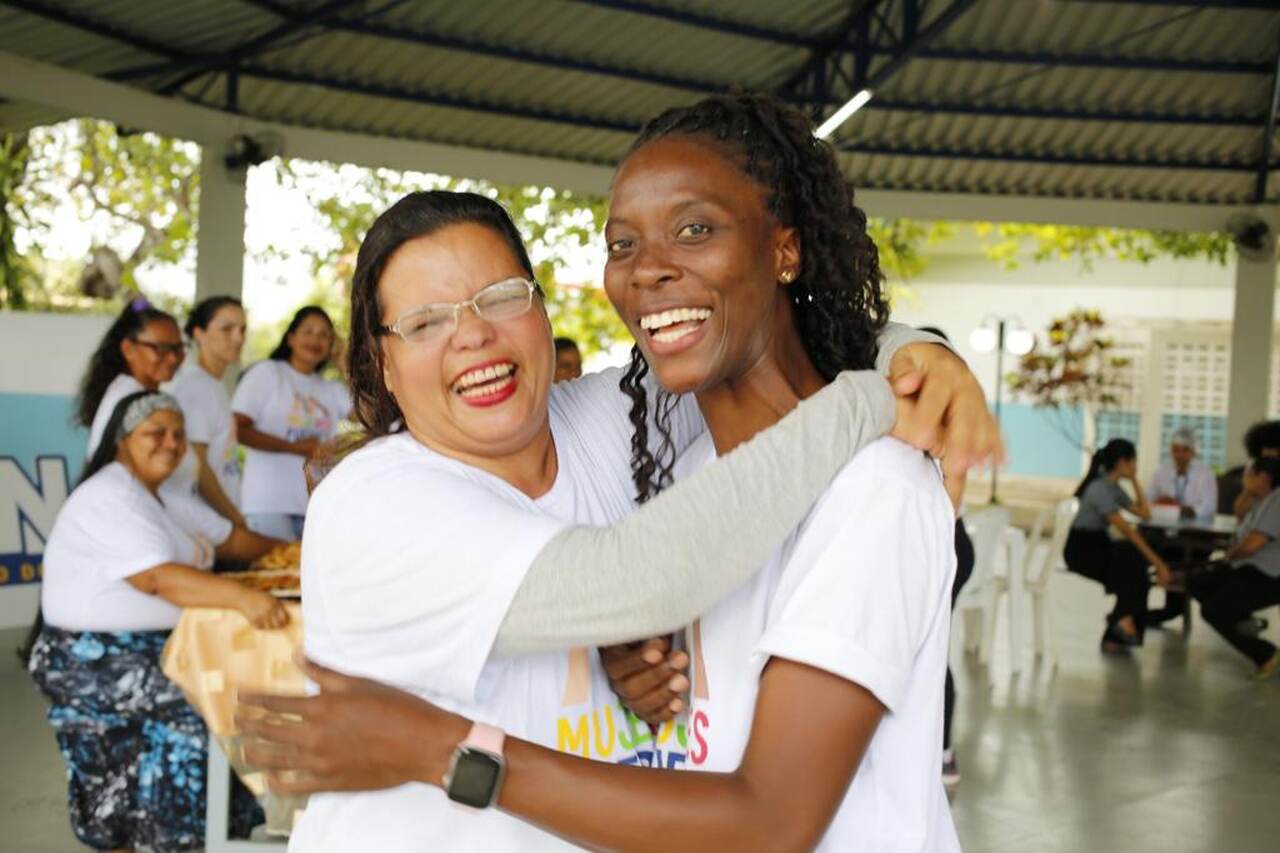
<point>980,595</point>
<point>1043,557</point>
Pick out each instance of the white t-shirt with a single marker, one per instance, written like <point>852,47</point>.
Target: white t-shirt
<point>110,528</point>
<point>292,406</point>
<point>410,560</point>
<point>862,590</point>
<point>207,409</point>
<point>179,491</point>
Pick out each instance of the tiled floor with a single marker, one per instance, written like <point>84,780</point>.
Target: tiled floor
<point>1173,749</point>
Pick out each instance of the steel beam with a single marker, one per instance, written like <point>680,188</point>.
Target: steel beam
<point>1266,5</point>
<point>1268,140</point>
<point>871,44</point>
<point>197,64</point>
<point>436,99</point>
<point>1047,159</point>
<point>706,22</point>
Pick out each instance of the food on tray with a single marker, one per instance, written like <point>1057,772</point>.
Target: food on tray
<point>283,583</point>
<point>287,556</point>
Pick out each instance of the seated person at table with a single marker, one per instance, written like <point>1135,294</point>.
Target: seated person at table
<point>1186,481</point>
<point>118,568</point>
<point>1119,565</point>
<point>1262,440</point>
<point>1248,579</point>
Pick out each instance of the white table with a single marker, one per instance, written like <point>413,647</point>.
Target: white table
<point>218,807</point>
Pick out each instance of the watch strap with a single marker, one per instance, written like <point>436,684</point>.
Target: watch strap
<point>485,737</point>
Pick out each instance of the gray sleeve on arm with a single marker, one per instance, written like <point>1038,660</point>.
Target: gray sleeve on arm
<point>895,336</point>
<point>680,553</point>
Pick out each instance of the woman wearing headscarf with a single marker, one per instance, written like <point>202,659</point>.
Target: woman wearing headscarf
<point>118,569</point>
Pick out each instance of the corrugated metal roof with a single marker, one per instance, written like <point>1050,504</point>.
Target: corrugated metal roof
<point>1056,98</point>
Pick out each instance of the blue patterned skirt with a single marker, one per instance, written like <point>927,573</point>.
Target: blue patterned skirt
<point>136,751</point>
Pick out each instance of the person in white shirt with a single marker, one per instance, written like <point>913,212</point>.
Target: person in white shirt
<point>852,651</point>
<point>118,568</point>
<point>1184,481</point>
<point>217,327</point>
<point>285,409</point>
<point>142,350</point>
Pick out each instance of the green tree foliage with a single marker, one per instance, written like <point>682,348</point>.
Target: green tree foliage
<point>901,243</point>
<point>556,226</point>
<point>136,193</point>
<point>17,278</point>
<point>1006,242</point>
<point>1071,366</point>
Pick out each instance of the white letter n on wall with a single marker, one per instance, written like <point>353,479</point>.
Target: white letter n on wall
<point>27,509</point>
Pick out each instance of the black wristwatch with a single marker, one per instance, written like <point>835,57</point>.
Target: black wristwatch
<point>477,768</point>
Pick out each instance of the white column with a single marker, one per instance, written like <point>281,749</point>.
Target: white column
<point>1251,333</point>
<point>220,234</point>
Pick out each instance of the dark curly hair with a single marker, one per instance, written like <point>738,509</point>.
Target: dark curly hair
<point>107,361</point>
<point>416,215</point>
<point>837,299</point>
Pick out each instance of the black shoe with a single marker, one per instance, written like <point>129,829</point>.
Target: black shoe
<point>1251,627</point>
<point>1115,642</point>
<point>1157,618</point>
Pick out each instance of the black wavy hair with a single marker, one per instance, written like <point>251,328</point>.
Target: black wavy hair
<point>205,310</point>
<point>284,352</point>
<point>837,299</point>
<point>416,215</point>
<point>106,453</point>
<point>107,362</point>
<point>1262,437</point>
<point>1105,458</point>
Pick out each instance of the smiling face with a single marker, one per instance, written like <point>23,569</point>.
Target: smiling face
<point>480,391</point>
<point>155,447</point>
<point>220,342</point>
<point>695,261</point>
<point>155,355</point>
<point>310,343</point>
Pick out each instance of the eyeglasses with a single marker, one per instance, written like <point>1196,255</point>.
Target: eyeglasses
<point>502,300</point>
<point>162,350</point>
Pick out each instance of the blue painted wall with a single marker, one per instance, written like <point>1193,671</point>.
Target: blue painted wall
<point>1036,446</point>
<point>41,455</point>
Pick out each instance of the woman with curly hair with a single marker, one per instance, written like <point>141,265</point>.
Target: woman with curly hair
<point>739,262</point>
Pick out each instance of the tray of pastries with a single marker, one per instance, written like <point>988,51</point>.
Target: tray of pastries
<point>278,572</point>
<point>286,556</point>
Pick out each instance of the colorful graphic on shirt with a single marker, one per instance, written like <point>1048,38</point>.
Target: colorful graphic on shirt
<point>308,418</point>
<point>612,733</point>
<point>229,464</point>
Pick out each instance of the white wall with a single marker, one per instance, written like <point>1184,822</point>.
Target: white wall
<point>958,290</point>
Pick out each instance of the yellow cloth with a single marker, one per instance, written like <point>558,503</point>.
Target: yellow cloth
<point>215,654</point>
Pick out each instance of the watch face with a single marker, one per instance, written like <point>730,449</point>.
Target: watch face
<point>475,777</point>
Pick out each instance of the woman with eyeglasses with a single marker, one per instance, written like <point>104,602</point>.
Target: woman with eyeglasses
<point>141,351</point>
<point>489,524</point>
<point>284,409</point>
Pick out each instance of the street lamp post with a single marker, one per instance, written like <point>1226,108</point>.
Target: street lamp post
<point>1002,334</point>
